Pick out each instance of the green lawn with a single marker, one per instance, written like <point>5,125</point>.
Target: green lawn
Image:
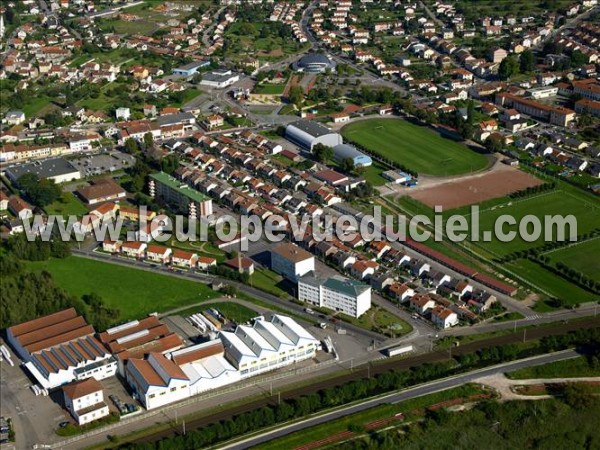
<point>267,281</point>
<point>418,148</point>
<point>270,89</point>
<point>232,311</point>
<point>134,292</point>
<point>549,282</point>
<point>582,257</point>
<point>35,104</point>
<point>570,368</point>
<point>67,205</point>
<point>373,174</point>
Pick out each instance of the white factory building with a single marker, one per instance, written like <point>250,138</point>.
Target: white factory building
<point>291,261</point>
<point>266,346</point>
<point>348,296</point>
<point>161,379</point>
<point>60,348</point>
<point>307,134</point>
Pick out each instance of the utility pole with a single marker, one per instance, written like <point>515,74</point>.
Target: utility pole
<point>524,333</point>
<point>184,427</point>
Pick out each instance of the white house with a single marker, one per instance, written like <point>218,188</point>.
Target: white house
<point>123,114</point>
<point>443,317</point>
<point>85,400</point>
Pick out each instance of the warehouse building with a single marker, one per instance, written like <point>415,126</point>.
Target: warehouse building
<point>159,379</point>
<point>345,151</point>
<point>268,345</point>
<point>61,348</point>
<point>219,79</point>
<point>307,134</point>
<point>59,170</point>
<point>190,69</point>
<point>291,261</point>
<point>338,293</point>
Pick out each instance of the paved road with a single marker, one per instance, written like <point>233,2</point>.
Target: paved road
<point>417,391</point>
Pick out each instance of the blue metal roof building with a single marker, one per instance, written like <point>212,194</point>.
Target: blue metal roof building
<point>345,151</point>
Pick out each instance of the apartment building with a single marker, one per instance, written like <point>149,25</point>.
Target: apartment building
<point>348,296</point>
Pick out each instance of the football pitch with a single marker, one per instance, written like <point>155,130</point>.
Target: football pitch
<point>558,202</point>
<point>418,148</point>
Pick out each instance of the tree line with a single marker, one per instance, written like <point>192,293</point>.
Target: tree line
<point>533,190</point>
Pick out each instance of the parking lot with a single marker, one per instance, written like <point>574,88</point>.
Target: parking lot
<point>34,418</point>
<point>92,165</point>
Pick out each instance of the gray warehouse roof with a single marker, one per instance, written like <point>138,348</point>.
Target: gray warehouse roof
<point>173,119</point>
<point>315,129</point>
<point>344,151</point>
<point>44,169</point>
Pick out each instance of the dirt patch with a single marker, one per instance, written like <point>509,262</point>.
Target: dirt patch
<point>470,191</point>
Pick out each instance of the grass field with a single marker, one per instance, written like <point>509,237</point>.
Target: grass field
<point>570,368</point>
<point>549,282</point>
<point>416,147</point>
<point>67,205</point>
<point>270,89</point>
<point>581,257</point>
<point>134,292</point>
<point>267,281</point>
<point>558,202</point>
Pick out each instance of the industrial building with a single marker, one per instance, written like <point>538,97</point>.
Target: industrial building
<point>60,348</point>
<point>314,63</point>
<point>219,79</point>
<point>179,196</point>
<point>268,345</point>
<point>291,261</point>
<point>136,338</point>
<point>59,170</point>
<point>159,379</point>
<point>348,296</point>
<point>307,134</point>
<point>345,151</point>
<point>190,69</point>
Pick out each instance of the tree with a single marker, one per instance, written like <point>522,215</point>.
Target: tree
<point>527,61</point>
<point>148,140</point>
<point>40,192</point>
<point>347,165</point>
<point>131,146</point>
<point>494,144</point>
<point>296,95</point>
<point>322,152</point>
<point>508,68</point>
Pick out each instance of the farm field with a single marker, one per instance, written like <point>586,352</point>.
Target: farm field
<point>581,257</point>
<point>134,292</point>
<point>415,147</point>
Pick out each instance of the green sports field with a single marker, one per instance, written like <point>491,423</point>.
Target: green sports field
<point>418,148</point>
<point>134,292</point>
<point>581,257</point>
<point>558,202</point>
